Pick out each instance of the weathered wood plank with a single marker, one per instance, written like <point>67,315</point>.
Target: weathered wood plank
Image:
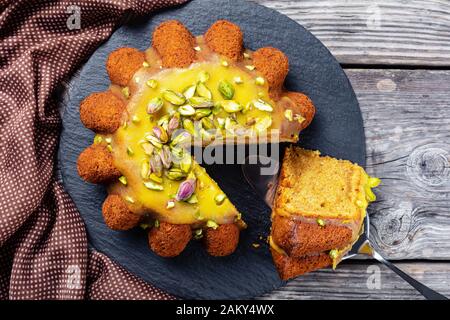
<point>407,124</point>
<point>413,32</point>
<point>366,281</point>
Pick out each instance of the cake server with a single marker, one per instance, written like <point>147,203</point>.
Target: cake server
<point>265,187</point>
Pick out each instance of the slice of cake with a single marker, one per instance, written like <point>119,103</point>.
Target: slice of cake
<point>318,213</point>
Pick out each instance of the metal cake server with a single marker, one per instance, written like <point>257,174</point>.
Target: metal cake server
<point>265,187</point>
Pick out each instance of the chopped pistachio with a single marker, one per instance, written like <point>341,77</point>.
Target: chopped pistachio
<point>212,224</point>
<point>197,48</point>
<point>260,81</point>
<point>135,119</point>
<point>130,151</point>
<point>248,106</point>
<point>262,124</point>
<point>203,76</point>
<point>160,133</point>
<point>164,121</point>
<point>182,138</point>
<point>109,147</point>
<point>144,226</point>
<point>175,174</point>
<point>220,198</point>
<point>207,123</point>
<point>155,178</point>
<point>108,140</point>
<point>98,138</point>
<point>123,180</point>
<point>256,245</point>
<point>247,55</point>
<point>190,91</point>
<point>250,67</point>
<point>145,169</point>
<point>156,224</point>
<point>152,83</point>
<point>193,199</point>
<point>299,118</point>
<point>186,163</point>
<point>320,222</point>
<point>186,110</point>
<point>198,234</point>
<point>173,97</point>
<point>153,140</point>
<point>262,105</point>
<point>288,114</point>
<point>129,199</point>
<point>189,126</point>
<point>203,91</point>
<point>170,204</point>
<point>200,102</point>
<point>333,254</point>
<point>154,105</point>
<point>226,89</point>
<point>373,182</point>
<point>221,122</point>
<point>238,80</point>
<point>224,63</point>
<point>145,64</point>
<point>148,148</point>
<point>201,113</point>
<point>153,186</point>
<point>126,92</point>
<point>231,106</point>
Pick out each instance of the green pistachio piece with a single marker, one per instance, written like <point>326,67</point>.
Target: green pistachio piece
<point>260,81</point>
<point>108,140</point>
<point>200,102</point>
<point>175,174</point>
<point>333,254</point>
<point>212,224</point>
<point>181,138</point>
<point>109,148</point>
<point>221,122</point>
<point>186,110</point>
<point>155,178</point>
<point>320,222</point>
<point>135,119</point>
<point>190,91</point>
<point>238,80</point>
<point>156,224</point>
<point>250,67</point>
<point>152,83</point>
<point>130,151</point>
<point>123,180</point>
<point>153,140</point>
<point>186,163</point>
<point>170,204</point>
<point>203,91</point>
<point>153,186</point>
<point>189,126</point>
<point>226,89</point>
<point>129,199</point>
<point>220,198</point>
<point>203,76</point>
<point>193,199</point>
<point>207,123</point>
<point>262,105</point>
<point>155,105</point>
<point>231,106</point>
<point>288,114</point>
<point>247,55</point>
<point>145,169</point>
<point>98,139</point>
<point>201,113</point>
<point>148,148</point>
<point>198,234</point>
<point>224,63</point>
<point>126,92</point>
<point>173,97</point>
<point>262,124</point>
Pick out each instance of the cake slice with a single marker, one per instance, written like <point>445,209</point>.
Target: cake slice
<point>318,212</point>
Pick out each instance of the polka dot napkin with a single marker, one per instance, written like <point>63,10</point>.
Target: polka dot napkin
<point>43,246</point>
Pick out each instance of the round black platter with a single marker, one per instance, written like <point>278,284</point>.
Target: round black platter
<point>337,130</point>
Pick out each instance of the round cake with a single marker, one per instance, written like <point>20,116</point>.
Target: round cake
<point>184,91</point>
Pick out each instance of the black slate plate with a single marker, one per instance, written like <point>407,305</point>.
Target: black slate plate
<point>337,130</point>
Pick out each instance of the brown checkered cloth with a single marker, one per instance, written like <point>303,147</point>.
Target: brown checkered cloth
<point>43,246</point>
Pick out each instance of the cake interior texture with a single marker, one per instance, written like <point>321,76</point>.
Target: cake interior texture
<point>319,209</point>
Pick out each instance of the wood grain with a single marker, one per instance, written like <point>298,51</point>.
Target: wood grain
<point>407,125</point>
<point>389,32</point>
<point>365,281</point>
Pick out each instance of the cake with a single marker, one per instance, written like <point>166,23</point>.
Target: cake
<point>318,212</point>
<point>182,90</point>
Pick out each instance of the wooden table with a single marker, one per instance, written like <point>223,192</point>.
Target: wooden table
<point>397,56</point>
